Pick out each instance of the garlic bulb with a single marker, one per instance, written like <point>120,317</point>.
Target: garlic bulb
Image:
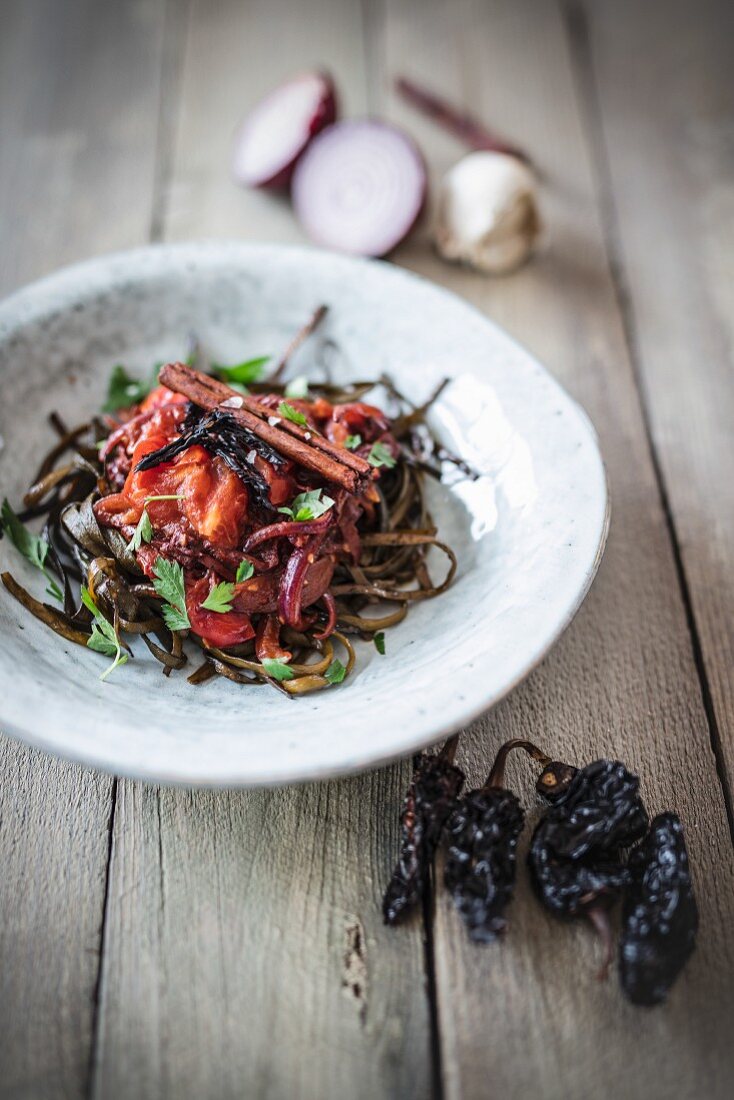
<point>488,212</point>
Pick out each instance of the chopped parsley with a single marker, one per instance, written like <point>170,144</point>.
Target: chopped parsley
<point>292,414</point>
<point>249,371</point>
<point>124,391</point>
<point>277,669</point>
<point>352,442</point>
<point>379,640</point>
<point>169,584</point>
<point>244,571</point>
<point>103,638</point>
<point>219,598</point>
<point>308,506</point>
<point>143,532</point>
<point>380,455</point>
<point>336,672</point>
<point>32,547</point>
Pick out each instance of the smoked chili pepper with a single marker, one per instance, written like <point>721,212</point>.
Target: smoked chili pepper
<point>481,862</point>
<point>430,799</point>
<point>660,915</point>
<point>575,856</point>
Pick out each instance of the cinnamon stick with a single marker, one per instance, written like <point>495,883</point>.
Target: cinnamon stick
<point>333,463</point>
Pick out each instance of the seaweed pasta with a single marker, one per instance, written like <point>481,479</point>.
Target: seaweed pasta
<point>273,527</point>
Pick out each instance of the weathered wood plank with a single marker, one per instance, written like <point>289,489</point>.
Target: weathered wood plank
<point>245,953</point>
<point>527,1017</point>
<point>668,170</point>
<point>76,178</point>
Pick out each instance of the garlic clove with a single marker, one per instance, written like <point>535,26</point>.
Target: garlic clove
<point>488,212</point>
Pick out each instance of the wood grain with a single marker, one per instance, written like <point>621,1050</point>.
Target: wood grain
<point>245,952</point>
<point>527,1017</point>
<point>76,177</point>
<point>668,175</point>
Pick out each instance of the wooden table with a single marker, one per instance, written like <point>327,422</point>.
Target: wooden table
<point>171,943</point>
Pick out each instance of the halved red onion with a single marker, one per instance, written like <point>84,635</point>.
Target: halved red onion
<point>278,129</point>
<point>360,187</point>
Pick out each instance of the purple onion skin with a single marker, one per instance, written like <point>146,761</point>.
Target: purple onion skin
<point>324,115</point>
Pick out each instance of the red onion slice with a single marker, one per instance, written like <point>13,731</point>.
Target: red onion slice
<point>360,187</point>
<point>278,129</point>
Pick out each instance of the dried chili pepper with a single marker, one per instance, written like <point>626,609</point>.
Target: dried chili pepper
<point>575,856</point>
<point>430,799</point>
<point>660,915</point>
<point>481,861</point>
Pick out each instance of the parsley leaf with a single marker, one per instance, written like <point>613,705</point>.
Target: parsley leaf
<point>143,532</point>
<point>352,442</point>
<point>379,640</point>
<point>308,506</point>
<point>336,672</point>
<point>380,456</point>
<point>277,668</point>
<point>32,547</point>
<point>169,584</point>
<point>249,371</point>
<point>219,598</point>
<point>297,387</point>
<point>292,414</point>
<point>244,571</point>
<point>124,391</point>
<point>103,638</point>
<point>173,618</point>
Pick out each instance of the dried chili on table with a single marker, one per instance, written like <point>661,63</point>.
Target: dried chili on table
<point>660,915</point>
<point>575,858</point>
<point>430,799</point>
<point>481,861</point>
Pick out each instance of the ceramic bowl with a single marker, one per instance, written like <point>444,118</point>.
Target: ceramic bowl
<point>528,534</point>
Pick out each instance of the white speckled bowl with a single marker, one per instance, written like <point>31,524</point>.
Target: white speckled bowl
<point>529,535</point>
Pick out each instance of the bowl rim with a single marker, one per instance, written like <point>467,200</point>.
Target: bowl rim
<point>35,298</point>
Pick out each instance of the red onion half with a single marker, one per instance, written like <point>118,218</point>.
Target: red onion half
<point>278,129</point>
<point>359,187</point>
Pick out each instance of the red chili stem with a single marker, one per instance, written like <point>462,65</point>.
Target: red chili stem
<point>459,123</point>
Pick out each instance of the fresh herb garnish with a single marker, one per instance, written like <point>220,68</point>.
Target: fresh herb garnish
<point>277,669</point>
<point>379,640</point>
<point>297,387</point>
<point>308,506</point>
<point>292,414</point>
<point>219,598</point>
<point>124,391</point>
<point>32,547</point>
<point>103,638</point>
<point>249,371</point>
<point>336,672</point>
<point>352,442</point>
<point>169,584</point>
<point>244,571</point>
<point>143,532</point>
<point>380,456</point>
